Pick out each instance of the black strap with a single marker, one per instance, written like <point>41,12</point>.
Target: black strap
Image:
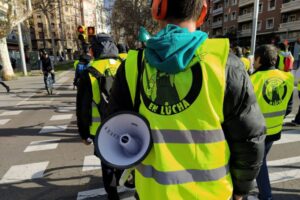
<point>94,72</point>
<point>137,99</point>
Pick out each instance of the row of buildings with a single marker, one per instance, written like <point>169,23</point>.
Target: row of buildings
<point>64,18</point>
<point>278,20</point>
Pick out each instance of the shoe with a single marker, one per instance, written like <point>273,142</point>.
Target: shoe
<point>296,123</point>
<point>7,89</point>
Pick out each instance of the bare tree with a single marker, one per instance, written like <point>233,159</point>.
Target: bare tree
<point>12,12</point>
<point>126,18</point>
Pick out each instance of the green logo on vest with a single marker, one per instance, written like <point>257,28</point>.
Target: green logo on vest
<point>274,91</point>
<point>160,94</point>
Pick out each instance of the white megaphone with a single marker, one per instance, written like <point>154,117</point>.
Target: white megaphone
<point>123,141</point>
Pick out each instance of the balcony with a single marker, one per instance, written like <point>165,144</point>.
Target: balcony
<point>245,17</point>
<point>217,11</point>
<point>245,32</point>
<point>290,6</point>
<point>245,2</point>
<point>217,24</point>
<point>216,1</point>
<point>290,26</point>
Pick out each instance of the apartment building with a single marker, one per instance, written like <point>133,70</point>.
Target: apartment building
<point>278,20</point>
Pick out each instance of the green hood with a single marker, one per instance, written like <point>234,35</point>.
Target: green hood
<point>173,48</point>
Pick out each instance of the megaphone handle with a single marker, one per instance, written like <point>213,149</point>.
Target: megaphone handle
<point>125,175</point>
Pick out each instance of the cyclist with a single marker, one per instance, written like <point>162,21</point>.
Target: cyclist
<point>47,67</point>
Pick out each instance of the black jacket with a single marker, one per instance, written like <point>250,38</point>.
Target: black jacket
<point>243,125</point>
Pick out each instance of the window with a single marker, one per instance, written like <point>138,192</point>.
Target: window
<point>270,23</point>
<point>233,15</point>
<point>39,16</point>
<point>52,25</point>
<point>226,3</point>
<point>41,35</point>
<point>225,30</point>
<point>54,34</point>
<point>233,2</point>
<point>245,26</point>
<point>40,25</point>
<point>225,18</point>
<point>271,5</point>
<point>291,18</point>
<point>259,25</point>
<point>260,7</point>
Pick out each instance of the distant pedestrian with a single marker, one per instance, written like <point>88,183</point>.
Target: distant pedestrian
<point>297,54</point>
<point>285,58</point>
<point>274,92</point>
<point>47,67</point>
<point>1,81</point>
<point>239,53</point>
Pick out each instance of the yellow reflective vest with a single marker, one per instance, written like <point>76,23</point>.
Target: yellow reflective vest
<point>105,66</point>
<point>299,85</point>
<point>123,56</point>
<point>246,62</point>
<point>75,64</point>
<point>273,90</point>
<point>190,156</point>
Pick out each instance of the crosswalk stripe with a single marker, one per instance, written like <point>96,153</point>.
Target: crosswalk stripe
<point>10,113</point>
<point>99,192</point>
<point>66,109</point>
<point>61,117</point>
<point>283,176</point>
<point>42,145</point>
<point>282,162</point>
<point>19,173</point>
<point>289,137</point>
<point>52,129</point>
<point>4,121</point>
<point>91,163</point>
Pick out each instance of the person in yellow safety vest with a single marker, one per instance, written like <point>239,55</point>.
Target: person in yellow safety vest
<point>122,51</point>
<point>239,53</point>
<point>283,54</point>
<point>207,129</point>
<point>274,92</point>
<point>92,96</point>
<point>296,121</point>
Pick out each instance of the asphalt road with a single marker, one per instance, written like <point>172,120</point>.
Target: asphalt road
<point>42,157</point>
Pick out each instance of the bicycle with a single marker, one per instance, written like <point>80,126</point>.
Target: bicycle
<point>49,84</point>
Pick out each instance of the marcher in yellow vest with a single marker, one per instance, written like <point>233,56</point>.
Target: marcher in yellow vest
<point>296,121</point>
<point>122,51</point>
<point>283,54</point>
<point>93,95</point>
<point>274,92</point>
<point>203,148</point>
<point>239,53</point>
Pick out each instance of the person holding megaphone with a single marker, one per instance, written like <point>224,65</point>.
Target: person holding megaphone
<point>206,126</point>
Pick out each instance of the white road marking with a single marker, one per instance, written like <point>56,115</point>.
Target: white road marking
<point>26,99</point>
<point>11,113</point>
<point>283,162</point>
<point>283,176</point>
<point>19,173</point>
<point>42,145</point>
<point>51,129</point>
<point>289,118</point>
<point>91,163</point>
<point>36,102</point>
<point>97,192</point>
<point>66,109</point>
<point>4,121</point>
<point>61,117</point>
<point>289,136</point>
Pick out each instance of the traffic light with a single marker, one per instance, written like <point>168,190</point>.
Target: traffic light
<point>91,33</point>
<point>82,34</point>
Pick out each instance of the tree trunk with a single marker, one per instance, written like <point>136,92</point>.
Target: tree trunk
<point>8,72</point>
<point>52,37</point>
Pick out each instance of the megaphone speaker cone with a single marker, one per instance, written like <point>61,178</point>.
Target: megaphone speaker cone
<point>123,140</point>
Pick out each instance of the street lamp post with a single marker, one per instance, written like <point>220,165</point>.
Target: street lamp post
<point>254,26</point>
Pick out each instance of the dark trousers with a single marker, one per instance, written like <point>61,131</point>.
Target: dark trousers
<point>4,85</point>
<point>297,118</point>
<point>46,75</point>
<point>111,179</point>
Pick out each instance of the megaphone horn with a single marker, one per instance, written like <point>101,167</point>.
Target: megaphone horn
<point>123,140</point>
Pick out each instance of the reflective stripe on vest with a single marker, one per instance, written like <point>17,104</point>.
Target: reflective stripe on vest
<point>299,86</point>
<point>100,66</point>
<point>273,90</point>
<point>190,156</point>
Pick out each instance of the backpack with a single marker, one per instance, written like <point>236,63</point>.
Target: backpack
<point>81,67</point>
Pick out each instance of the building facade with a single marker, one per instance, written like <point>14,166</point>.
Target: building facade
<point>65,16</point>
<point>278,20</point>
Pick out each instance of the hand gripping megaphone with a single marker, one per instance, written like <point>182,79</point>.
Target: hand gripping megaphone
<point>123,141</point>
